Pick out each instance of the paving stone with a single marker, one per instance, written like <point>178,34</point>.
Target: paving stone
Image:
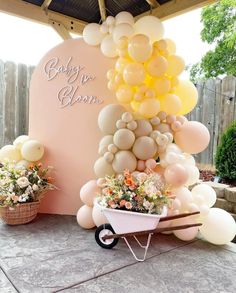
<point>224,204</point>
<point>5,284</point>
<point>218,187</point>
<point>196,268</point>
<point>230,194</point>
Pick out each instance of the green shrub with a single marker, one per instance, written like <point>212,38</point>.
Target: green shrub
<point>226,154</point>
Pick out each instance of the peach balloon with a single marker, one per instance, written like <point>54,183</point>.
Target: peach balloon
<point>193,137</point>
<point>84,217</point>
<point>98,216</point>
<point>176,175</point>
<point>88,192</point>
<point>186,234</point>
<point>141,165</point>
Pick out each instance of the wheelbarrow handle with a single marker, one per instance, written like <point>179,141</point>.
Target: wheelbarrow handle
<point>169,218</point>
<point>154,231</point>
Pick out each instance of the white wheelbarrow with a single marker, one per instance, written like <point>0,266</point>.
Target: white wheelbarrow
<point>123,224</point>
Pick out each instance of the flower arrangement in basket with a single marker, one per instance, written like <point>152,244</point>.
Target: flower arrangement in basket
<point>144,193</point>
<point>21,189</point>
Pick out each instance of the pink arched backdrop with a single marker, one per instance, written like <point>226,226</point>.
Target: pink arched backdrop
<point>68,89</point>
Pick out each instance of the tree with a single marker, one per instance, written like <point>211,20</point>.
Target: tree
<point>226,154</point>
<point>219,29</point>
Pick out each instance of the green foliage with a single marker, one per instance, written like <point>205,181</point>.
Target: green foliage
<point>219,29</point>
<point>226,154</point>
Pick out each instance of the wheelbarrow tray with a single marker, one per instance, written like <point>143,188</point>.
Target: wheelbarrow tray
<point>127,222</point>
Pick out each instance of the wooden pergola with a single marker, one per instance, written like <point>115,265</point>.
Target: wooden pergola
<point>70,16</point>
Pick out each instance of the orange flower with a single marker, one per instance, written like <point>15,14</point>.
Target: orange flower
<point>122,203</point>
<point>40,165</point>
<point>50,179</point>
<point>31,166</point>
<point>111,202</point>
<point>129,181</point>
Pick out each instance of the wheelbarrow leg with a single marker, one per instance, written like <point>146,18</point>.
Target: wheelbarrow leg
<point>145,247</point>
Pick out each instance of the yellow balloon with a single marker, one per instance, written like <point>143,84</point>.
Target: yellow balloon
<point>160,45</point>
<point>171,48</point>
<point>171,104</point>
<point>188,95</point>
<point>121,63</point>
<point>162,86</point>
<point>112,85</point>
<point>124,93</point>
<point>175,65</point>
<point>134,74</point>
<point>111,73</point>
<point>157,66</point>
<point>135,105</point>
<point>149,108</point>
<point>139,48</point>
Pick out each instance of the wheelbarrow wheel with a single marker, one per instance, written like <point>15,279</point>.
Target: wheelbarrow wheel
<point>103,230</point>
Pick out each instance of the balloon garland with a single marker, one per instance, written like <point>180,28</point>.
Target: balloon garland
<point>148,124</point>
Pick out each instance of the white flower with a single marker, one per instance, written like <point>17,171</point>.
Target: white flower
<point>35,187</point>
<point>22,182</point>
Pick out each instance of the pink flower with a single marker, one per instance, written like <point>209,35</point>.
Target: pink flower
<point>128,205</point>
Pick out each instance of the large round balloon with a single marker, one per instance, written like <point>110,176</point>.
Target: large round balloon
<point>124,139</point>
<point>207,192</point>
<point>20,140</point>
<point>139,48</point>
<point>108,117</point>
<point>10,153</point>
<point>218,227</point>
<point>150,26</point>
<point>176,175</point>
<point>98,216</point>
<point>108,47</point>
<point>124,160</point>
<point>88,192</point>
<point>144,148</point>
<point>84,217</point>
<point>188,95</point>
<point>185,234</point>
<point>92,34</point>
<point>102,168</point>
<point>193,137</point>
<point>32,150</point>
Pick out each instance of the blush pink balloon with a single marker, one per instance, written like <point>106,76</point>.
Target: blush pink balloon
<point>151,164</point>
<point>176,175</point>
<point>141,165</point>
<point>193,137</point>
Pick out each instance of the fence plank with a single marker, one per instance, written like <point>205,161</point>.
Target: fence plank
<point>2,95</point>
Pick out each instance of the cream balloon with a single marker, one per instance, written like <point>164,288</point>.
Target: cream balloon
<point>32,150</point>
<point>184,196</point>
<point>150,26</point>
<point>89,191</point>
<point>124,17</point>
<point>98,216</point>
<point>171,104</point>
<point>102,168</point>
<point>157,66</point>
<point>122,30</point>
<point>176,175</point>
<point>188,95</point>
<point>10,153</point>
<point>139,48</point>
<point>193,137</point>
<point>144,148</point>
<point>193,174</point>
<point>144,128</point>
<point>121,63</point>
<point>134,73</point>
<point>108,47</point>
<point>84,217</point>
<point>149,108</point>
<point>124,160</point>
<point>92,34</point>
<point>124,139</point>
<point>108,117</point>
<point>20,140</point>
<point>104,143</point>
<point>207,192</point>
<point>185,234</point>
<point>218,227</point>
<point>175,65</point>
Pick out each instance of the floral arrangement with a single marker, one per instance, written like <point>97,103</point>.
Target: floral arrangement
<point>21,185</point>
<point>145,193</point>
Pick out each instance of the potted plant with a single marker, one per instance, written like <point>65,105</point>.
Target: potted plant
<point>21,189</point>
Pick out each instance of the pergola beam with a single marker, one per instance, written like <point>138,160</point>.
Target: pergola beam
<point>175,7</point>
<point>36,13</point>
<point>102,9</point>
<point>153,3</point>
<point>45,4</point>
<point>60,29</point>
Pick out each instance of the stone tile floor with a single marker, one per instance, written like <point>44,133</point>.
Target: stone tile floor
<point>53,254</point>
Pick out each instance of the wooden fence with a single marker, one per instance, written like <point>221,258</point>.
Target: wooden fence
<point>14,85</point>
<point>216,106</point>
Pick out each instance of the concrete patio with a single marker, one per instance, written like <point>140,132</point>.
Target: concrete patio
<point>53,254</point>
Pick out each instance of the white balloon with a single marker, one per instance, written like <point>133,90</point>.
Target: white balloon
<point>88,192</point>
<point>92,34</point>
<point>204,210</point>
<point>124,17</point>
<point>108,47</point>
<point>207,192</point>
<point>184,196</point>
<point>32,150</point>
<point>122,30</point>
<point>150,26</point>
<point>10,153</point>
<point>193,174</point>
<point>98,216</point>
<point>218,227</point>
<point>84,217</point>
<point>20,140</point>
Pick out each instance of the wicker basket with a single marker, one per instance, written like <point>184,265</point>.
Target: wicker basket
<point>21,214</point>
